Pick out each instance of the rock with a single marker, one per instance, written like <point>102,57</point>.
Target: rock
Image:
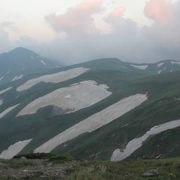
<point>150,173</point>
<point>23,158</point>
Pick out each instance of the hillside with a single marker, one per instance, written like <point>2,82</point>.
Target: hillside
<point>103,109</point>
<point>19,62</point>
<point>163,66</point>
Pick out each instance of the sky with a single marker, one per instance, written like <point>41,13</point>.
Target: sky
<point>73,31</point>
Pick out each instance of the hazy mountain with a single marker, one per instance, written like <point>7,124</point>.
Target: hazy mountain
<point>19,62</point>
<point>159,67</point>
<point>102,109</point>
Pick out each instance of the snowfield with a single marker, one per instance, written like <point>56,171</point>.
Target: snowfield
<point>17,77</point>
<point>94,122</point>
<point>142,67</point>
<point>133,145</point>
<point>53,78</point>
<point>14,149</point>
<point>5,90</point>
<point>2,114</point>
<point>69,99</point>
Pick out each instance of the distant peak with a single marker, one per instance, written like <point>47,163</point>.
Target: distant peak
<point>22,50</point>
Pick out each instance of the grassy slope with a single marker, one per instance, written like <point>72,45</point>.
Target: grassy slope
<point>162,106</point>
<point>168,169</point>
<point>29,126</point>
<point>123,81</point>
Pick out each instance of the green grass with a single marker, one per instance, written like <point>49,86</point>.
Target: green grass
<point>17,163</point>
<point>168,169</point>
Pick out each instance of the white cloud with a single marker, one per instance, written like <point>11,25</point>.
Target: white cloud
<point>104,29</point>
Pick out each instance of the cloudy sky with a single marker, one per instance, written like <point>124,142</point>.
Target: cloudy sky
<point>73,31</point>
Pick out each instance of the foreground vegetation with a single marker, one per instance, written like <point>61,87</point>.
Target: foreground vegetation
<point>46,166</point>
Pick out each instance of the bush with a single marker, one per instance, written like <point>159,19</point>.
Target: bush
<point>35,156</point>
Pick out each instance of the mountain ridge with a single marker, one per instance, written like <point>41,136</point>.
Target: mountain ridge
<point>78,83</point>
<point>20,62</point>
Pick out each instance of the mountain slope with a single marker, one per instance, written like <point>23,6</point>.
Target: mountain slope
<point>19,62</point>
<point>88,110</point>
<point>159,67</point>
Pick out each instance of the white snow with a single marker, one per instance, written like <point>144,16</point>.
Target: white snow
<point>5,90</point>
<point>53,78</point>
<point>70,99</point>
<point>94,122</point>
<point>1,78</point>
<point>136,143</point>
<point>160,64</point>
<point>14,149</point>
<point>160,71</point>
<point>175,62</point>
<point>142,67</point>
<point>1,102</point>
<point>43,63</point>
<point>2,114</point>
<point>17,77</point>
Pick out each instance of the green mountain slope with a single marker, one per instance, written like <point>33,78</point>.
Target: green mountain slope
<point>122,80</point>
<point>159,67</point>
<point>19,62</point>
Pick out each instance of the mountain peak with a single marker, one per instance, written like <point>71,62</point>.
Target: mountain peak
<point>22,50</point>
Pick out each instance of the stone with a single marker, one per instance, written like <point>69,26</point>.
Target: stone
<point>150,173</point>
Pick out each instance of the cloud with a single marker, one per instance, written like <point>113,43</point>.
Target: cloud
<point>118,11</point>
<point>77,19</point>
<point>159,10</point>
<point>5,42</point>
<point>126,40</point>
<point>166,27</point>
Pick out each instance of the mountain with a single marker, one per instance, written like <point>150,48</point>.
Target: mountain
<point>20,62</point>
<point>159,67</point>
<point>103,109</point>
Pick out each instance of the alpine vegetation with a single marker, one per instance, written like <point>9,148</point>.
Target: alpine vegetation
<point>136,143</point>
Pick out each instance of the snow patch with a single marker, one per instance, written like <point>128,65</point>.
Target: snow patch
<point>175,62</point>
<point>1,78</point>
<point>160,71</point>
<point>70,99</point>
<point>14,149</point>
<point>94,122</point>
<point>1,102</point>
<point>133,145</point>
<point>2,114</point>
<point>17,77</point>
<point>53,78</point>
<point>160,64</point>
<point>142,67</point>
<point>5,90</point>
<point>68,96</point>
<point>43,63</point>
